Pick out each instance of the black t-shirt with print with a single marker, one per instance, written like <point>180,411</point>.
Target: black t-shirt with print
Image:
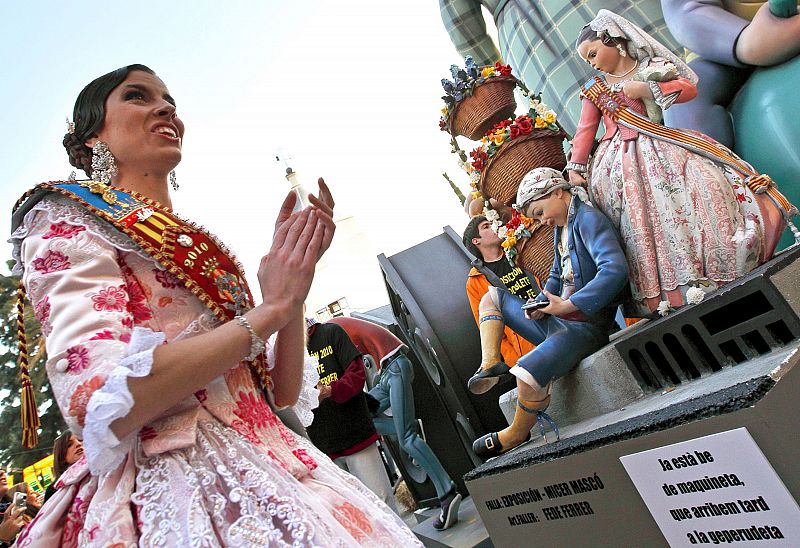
<point>514,277</point>
<point>337,426</point>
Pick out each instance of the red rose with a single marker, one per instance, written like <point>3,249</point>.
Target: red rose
<point>442,124</point>
<point>504,70</point>
<point>525,125</point>
<point>514,131</point>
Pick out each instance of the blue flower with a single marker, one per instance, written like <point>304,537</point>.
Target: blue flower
<point>454,71</point>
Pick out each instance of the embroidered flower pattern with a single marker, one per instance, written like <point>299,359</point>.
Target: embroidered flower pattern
<point>112,299</point>
<point>305,458</point>
<point>62,229</point>
<point>166,279</point>
<point>137,303</point>
<point>42,313</point>
<point>78,359</point>
<point>105,334</point>
<point>354,520</point>
<point>252,410</point>
<point>80,398</point>
<point>246,430</point>
<point>76,515</point>
<point>53,261</point>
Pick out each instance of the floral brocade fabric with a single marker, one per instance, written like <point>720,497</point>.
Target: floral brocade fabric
<point>684,221</point>
<point>217,469</point>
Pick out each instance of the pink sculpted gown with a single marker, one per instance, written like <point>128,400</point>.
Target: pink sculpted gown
<point>684,220</point>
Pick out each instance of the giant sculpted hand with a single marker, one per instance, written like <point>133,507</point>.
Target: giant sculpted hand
<point>768,39</point>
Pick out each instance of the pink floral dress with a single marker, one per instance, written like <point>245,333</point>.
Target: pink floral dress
<point>217,469</point>
<point>684,220</point>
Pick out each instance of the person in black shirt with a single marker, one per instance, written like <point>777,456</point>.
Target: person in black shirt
<point>343,427</point>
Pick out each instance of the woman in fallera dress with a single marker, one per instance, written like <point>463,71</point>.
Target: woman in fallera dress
<point>686,221</point>
<point>156,352</point>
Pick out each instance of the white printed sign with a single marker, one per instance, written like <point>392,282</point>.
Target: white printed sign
<point>715,490</point>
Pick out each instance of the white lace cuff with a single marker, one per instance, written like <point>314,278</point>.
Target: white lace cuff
<point>308,400</point>
<point>309,394</point>
<point>113,400</point>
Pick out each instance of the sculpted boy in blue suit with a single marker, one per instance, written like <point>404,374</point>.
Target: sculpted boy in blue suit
<point>589,271</point>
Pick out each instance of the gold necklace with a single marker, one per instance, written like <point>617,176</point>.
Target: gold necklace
<point>624,74</point>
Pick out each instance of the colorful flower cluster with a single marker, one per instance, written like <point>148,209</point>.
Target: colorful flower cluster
<point>517,228</point>
<point>463,84</point>
<point>539,117</point>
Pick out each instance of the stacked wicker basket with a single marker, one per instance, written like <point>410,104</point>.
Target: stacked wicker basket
<point>490,103</point>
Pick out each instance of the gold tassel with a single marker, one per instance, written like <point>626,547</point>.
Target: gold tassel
<point>30,414</point>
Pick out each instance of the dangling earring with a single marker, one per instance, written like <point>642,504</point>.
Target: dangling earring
<point>173,181</point>
<point>103,166</point>
<point>622,52</point>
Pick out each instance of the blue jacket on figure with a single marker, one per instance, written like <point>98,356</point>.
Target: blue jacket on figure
<point>600,270</point>
<point>589,271</point>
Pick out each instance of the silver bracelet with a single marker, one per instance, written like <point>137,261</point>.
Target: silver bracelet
<point>580,168</point>
<point>257,344</point>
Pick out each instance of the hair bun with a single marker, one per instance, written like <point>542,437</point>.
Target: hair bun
<point>80,155</point>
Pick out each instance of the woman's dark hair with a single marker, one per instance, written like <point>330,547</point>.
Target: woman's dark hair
<point>60,447</point>
<point>89,113</point>
<point>472,232</point>
<point>590,35</point>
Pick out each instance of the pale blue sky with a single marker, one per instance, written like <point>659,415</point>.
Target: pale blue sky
<point>350,90</point>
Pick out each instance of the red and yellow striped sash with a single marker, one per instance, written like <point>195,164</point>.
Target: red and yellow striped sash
<point>602,96</point>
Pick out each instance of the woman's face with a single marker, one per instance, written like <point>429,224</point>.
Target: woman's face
<point>141,128</point>
<point>603,58</point>
<point>74,450</point>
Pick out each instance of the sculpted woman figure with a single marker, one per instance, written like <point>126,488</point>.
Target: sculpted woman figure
<point>683,204</point>
<point>156,352</point>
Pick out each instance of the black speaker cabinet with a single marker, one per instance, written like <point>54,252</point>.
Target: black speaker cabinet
<point>440,431</point>
<point>426,287</point>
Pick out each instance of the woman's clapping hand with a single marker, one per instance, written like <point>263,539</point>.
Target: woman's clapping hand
<point>300,239</point>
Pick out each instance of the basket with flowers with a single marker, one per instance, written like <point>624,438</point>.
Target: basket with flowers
<point>513,147</point>
<point>477,98</point>
<point>509,147</point>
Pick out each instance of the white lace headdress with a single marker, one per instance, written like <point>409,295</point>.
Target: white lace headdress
<point>641,46</point>
<point>541,181</point>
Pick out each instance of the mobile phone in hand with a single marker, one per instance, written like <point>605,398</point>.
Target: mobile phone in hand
<point>535,305</point>
<point>20,500</point>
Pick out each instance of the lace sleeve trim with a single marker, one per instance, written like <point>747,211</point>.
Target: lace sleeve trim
<point>308,400</point>
<point>104,452</point>
<point>664,101</point>
<point>60,208</point>
<point>309,395</point>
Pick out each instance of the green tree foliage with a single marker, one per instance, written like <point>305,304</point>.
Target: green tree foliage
<point>11,451</point>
